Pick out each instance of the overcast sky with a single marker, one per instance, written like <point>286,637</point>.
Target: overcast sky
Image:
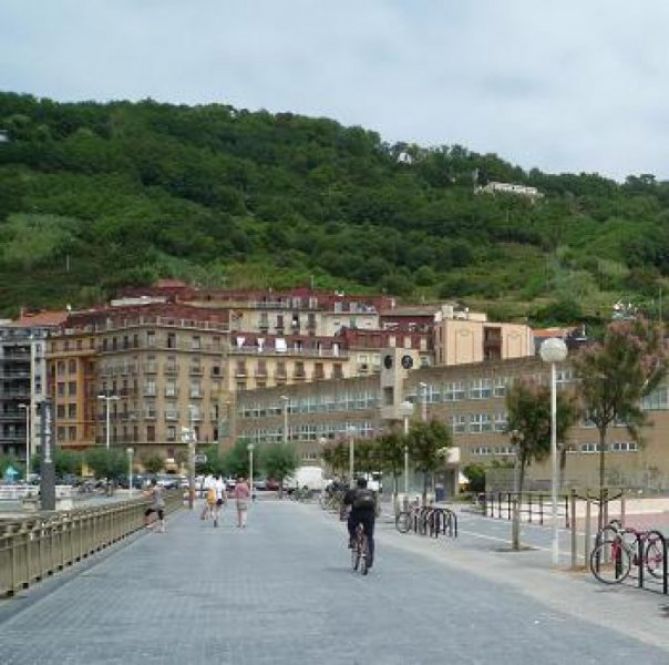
<point>564,85</point>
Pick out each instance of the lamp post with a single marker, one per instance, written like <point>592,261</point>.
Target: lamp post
<point>285,399</point>
<point>26,408</point>
<point>351,453</point>
<point>250,448</point>
<point>130,452</point>
<point>47,487</point>
<point>407,409</point>
<point>107,399</point>
<point>188,437</point>
<point>423,401</point>
<point>552,351</point>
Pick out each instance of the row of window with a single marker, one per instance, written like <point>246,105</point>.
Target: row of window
<point>616,447</point>
<point>473,423</point>
<point>313,432</point>
<point>344,401</point>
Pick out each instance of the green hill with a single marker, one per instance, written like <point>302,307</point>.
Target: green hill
<point>95,196</point>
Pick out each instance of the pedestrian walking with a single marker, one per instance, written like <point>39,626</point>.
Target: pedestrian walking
<point>157,506</point>
<point>221,497</point>
<point>242,494</point>
<point>209,489</point>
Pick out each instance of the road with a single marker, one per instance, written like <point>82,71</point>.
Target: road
<point>281,592</point>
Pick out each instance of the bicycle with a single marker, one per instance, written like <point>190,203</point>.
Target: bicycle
<point>617,549</point>
<point>360,551</point>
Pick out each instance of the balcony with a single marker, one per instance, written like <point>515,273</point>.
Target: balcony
<point>195,370</point>
<point>196,394</point>
<point>171,392</point>
<point>149,368</point>
<point>149,392</point>
<point>171,368</point>
<point>171,416</point>
<point>150,414</point>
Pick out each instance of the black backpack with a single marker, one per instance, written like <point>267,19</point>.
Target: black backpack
<point>364,500</point>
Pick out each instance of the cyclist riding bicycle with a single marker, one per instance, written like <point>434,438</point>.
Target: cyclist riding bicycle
<point>363,511</point>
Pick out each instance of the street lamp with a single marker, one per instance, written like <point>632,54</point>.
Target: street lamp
<point>285,399</point>
<point>26,408</point>
<point>250,448</point>
<point>407,409</point>
<point>351,429</point>
<point>423,401</point>
<point>552,351</point>
<point>107,399</point>
<point>189,437</point>
<point>130,452</point>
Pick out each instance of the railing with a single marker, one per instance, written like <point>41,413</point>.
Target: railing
<point>32,549</point>
<point>534,507</point>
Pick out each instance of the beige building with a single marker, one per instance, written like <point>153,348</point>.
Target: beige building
<point>471,400</point>
<point>463,337</point>
<point>162,365</point>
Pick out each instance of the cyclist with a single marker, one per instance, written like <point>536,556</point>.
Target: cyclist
<point>363,511</point>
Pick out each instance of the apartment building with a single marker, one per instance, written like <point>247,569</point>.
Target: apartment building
<point>470,399</point>
<point>162,366</point>
<point>23,375</point>
<point>262,362</point>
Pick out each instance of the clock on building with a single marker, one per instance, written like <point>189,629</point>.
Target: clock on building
<point>388,362</point>
<point>407,362</point>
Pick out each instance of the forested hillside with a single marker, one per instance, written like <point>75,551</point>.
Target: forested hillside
<point>94,196</point>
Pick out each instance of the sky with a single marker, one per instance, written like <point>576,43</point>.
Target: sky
<point>562,85</point>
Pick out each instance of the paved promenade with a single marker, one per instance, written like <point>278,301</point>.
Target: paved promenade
<point>281,592</point>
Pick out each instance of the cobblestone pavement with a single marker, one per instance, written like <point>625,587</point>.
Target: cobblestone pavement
<point>281,592</point>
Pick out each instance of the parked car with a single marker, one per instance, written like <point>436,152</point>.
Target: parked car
<point>272,485</point>
<point>260,485</point>
<point>230,484</point>
<point>169,482</point>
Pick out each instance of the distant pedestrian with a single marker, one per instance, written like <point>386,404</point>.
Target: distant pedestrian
<point>209,488</point>
<point>157,506</point>
<point>242,494</point>
<point>221,497</point>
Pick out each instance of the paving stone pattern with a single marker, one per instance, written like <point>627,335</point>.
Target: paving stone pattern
<point>281,592</point>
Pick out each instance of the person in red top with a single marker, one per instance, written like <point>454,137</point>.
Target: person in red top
<point>242,495</point>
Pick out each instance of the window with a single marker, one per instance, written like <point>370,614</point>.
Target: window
<point>500,421</point>
<point>171,433</point>
<point>171,341</point>
<point>72,433</point>
<point>480,422</point>
<point>72,388</point>
<point>72,366</point>
<point>72,411</point>
<point>625,447</point>
<point>170,388</point>
<point>196,342</point>
<point>337,371</point>
<point>61,367</point>
<point>151,338</point>
<point>195,389</point>
<point>656,400</point>
<point>499,389</point>
<point>60,433</point>
<point>150,433</point>
<point>480,389</point>
<point>150,388</point>
<point>61,389</point>
<point>454,391</point>
<point>459,424</point>
<point>60,411</point>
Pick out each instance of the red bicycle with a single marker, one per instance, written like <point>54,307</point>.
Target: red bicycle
<point>618,548</point>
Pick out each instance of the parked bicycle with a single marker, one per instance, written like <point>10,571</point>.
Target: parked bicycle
<point>617,549</point>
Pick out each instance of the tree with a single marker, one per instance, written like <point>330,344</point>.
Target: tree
<point>236,460</point>
<point>614,375</point>
<point>335,455</point>
<point>67,462</point>
<point>390,454</point>
<point>153,463</point>
<point>279,460</point>
<point>110,464</point>
<point>528,406</point>
<point>426,440</point>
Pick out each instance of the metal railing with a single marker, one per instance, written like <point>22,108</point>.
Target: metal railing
<point>534,507</point>
<point>33,548</point>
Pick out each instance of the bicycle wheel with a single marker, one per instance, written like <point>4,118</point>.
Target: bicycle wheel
<point>403,522</point>
<point>654,554</point>
<point>610,561</point>
<point>355,555</point>
<point>364,558</point>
